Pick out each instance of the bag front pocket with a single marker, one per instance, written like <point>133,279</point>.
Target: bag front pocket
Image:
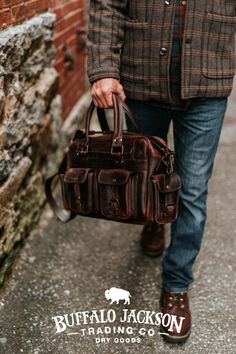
<point>165,197</point>
<point>82,189</point>
<point>115,193</point>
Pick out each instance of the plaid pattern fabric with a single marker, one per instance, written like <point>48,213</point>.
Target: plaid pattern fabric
<point>175,63</point>
<point>132,39</point>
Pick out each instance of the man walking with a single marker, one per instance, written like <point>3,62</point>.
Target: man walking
<point>174,61</point>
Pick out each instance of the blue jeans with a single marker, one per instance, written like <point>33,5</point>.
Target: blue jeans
<point>196,136</point>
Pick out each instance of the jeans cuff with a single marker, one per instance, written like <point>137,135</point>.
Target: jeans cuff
<point>175,290</point>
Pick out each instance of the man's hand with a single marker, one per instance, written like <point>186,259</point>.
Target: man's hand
<point>102,92</point>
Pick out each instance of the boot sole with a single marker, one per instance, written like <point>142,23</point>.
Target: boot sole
<point>176,339</point>
<point>152,253</point>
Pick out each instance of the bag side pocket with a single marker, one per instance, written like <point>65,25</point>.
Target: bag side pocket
<point>165,197</point>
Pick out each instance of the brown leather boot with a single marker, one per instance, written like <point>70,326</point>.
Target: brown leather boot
<point>176,305</point>
<point>153,239</point>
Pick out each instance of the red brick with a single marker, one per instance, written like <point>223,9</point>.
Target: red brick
<point>19,12</point>
<point>71,6</point>
<point>22,10</point>
<point>70,78</point>
<point>36,6</point>
<point>5,18</point>
<point>8,3</point>
<point>59,66</point>
<point>68,20</point>
<point>69,103</point>
<point>58,3</point>
<point>71,94</point>
<point>64,37</point>
<point>71,99</point>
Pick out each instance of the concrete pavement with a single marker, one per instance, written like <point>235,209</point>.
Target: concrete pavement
<point>64,269</point>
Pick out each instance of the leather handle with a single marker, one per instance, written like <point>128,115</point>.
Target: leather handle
<point>121,110</point>
<point>103,121</point>
<point>118,125</point>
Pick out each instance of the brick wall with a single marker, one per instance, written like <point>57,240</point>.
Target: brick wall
<point>70,18</point>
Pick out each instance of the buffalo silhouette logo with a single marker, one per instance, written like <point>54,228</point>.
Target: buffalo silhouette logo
<point>117,294</point>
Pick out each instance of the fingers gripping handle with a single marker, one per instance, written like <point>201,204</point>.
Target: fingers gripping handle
<point>120,111</point>
<point>117,124</point>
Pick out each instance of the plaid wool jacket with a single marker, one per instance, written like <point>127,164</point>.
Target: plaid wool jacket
<point>131,40</point>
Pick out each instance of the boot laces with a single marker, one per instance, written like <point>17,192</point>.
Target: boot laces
<point>176,300</point>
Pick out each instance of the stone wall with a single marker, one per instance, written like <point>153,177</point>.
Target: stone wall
<point>30,128</point>
<point>43,97</point>
<point>69,40</point>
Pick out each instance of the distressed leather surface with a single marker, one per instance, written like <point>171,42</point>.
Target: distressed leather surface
<point>117,175</point>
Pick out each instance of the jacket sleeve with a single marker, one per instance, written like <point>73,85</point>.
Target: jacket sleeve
<point>105,38</point>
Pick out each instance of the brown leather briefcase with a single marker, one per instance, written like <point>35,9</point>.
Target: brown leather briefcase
<point>117,175</point>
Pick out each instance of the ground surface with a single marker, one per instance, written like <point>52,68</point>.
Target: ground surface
<point>67,268</point>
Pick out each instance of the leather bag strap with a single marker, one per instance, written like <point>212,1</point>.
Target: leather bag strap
<point>61,213</point>
<point>103,120</point>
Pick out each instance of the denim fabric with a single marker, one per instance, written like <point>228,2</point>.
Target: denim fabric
<point>196,136</point>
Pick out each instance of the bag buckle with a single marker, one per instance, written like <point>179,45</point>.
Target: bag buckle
<point>169,161</point>
<point>170,168</point>
<point>84,149</point>
<point>117,148</point>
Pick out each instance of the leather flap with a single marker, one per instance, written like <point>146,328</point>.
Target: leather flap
<point>167,183</point>
<point>76,175</point>
<point>113,177</point>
